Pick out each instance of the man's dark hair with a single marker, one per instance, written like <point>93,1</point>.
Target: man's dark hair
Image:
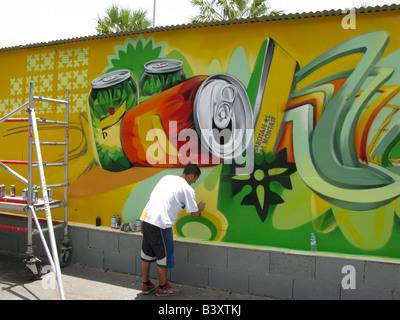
<point>192,169</point>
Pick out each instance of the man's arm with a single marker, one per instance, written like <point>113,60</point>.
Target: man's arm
<point>201,205</point>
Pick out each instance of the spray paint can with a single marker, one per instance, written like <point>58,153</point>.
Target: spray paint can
<point>138,225</point>
<point>25,194</point>
<point>2,190</point>
<point>50,194</point>
<point>98,222</point>
<point>117,222</point>
<point>113,222</point>
<point>12,190</point>
<point>35,196</point>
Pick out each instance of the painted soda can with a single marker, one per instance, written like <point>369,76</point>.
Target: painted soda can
<point>12,190</point>
<point>160,75</point>
<point>161,118</point>
<point>2,190</point>
<point>207,106</point>
<point>111,96</point>
<point>223,116</point>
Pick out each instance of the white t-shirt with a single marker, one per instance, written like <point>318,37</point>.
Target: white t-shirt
<point>170,196</point>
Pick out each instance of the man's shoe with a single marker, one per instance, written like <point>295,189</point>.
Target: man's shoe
<point>147,288</point>
<point>168,291</point>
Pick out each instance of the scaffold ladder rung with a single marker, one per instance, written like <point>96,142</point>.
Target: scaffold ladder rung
<point>39,120</point>
<point>54,164</point>
<point>50,143</point>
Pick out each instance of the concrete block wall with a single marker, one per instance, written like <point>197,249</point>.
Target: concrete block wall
<point>18,241</point>
<point>270,273</point>
<point>277,274</point>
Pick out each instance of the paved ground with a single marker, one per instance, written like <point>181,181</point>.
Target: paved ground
<point>86,283</point>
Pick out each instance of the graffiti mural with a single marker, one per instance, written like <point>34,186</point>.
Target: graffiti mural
<point>288,142</point>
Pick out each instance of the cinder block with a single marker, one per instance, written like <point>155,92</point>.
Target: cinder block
<point>312,289</point>
<point>78,236</point>
<point>129,244</point>
<point>363,292</point>
<point>380,274</point>
<point>120,262</point>
<point>251,261</point>
<point>88,256</point>
<point>9,240</point>
<point>38,246</point>
<point>209,256</point>
<point>233,280</point>
<point>330,269</point>
<point>103,240</point>
<point>181,252</point>
<point>396,294</point>
<point>292,265</point>
<point>271,285</point>
<point>190,274</point>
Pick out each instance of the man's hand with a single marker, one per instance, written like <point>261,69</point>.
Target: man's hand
<point>201,205</point>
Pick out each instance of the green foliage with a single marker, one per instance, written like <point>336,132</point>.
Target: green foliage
<point>134,54</point>
<point>119,19</point>
<point>215,10</point>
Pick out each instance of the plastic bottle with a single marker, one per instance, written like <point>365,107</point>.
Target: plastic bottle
<point>313,242</point>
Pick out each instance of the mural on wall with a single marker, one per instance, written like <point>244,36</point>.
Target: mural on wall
<point>327,159</point>
<point>285,149</point>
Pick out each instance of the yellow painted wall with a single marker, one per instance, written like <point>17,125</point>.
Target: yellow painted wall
<point>96,192</point>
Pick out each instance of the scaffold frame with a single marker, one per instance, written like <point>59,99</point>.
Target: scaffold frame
<point>31,205</point>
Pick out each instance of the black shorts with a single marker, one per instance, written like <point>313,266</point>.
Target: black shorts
<point>157,245</point>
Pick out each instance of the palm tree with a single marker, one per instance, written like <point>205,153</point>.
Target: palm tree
<point>212,10</point>
<point>120,19</point>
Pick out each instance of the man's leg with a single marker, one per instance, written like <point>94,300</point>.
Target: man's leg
<point>162,276</point>
<point>145,271</point>
<point>164,288</point>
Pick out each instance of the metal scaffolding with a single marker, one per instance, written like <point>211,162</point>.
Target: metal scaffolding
<point>31,204</point>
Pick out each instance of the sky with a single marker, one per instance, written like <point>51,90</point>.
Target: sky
<point>25,22</point>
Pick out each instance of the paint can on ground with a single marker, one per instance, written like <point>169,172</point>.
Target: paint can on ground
<point>138,225</point>
<point>117,222</point>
